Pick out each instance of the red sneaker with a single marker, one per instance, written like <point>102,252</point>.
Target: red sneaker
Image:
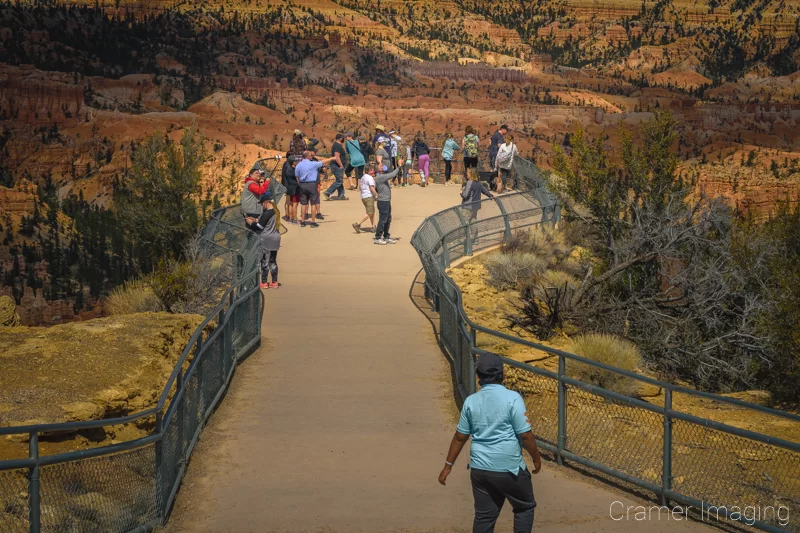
<point>265,285</point>
<point>273,285</point>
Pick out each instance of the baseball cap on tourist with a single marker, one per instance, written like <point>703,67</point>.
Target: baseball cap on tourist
<point>383,140</point>
<point>489,363</point>
<point>266,197</point>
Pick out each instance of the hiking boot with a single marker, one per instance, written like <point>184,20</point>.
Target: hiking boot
<point>379,241</point>
<point>389,240</point>
<point>356,227</point>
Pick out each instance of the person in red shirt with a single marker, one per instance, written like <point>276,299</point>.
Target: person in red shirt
<point>255,185</point>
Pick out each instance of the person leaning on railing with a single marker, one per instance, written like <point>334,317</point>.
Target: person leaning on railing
<point>471,195</point>
<point>496,420</point>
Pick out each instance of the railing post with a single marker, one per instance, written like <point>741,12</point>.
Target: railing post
<point>34,501</point>
<point>471,386</point>
<point>474,337</point>
<point>179,412</point>
<point>159,448</point>
<point>666,474</point>
<point>506,221</point>
<point>467,232</point>
<point>562,410</point>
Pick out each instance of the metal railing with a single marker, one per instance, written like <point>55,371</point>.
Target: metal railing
<point>130,487</point>
<point>722,471</point>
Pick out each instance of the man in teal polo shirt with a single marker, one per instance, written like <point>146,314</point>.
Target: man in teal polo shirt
<point>495,419</point>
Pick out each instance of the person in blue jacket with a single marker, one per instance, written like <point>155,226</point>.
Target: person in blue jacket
<point>448,152</point>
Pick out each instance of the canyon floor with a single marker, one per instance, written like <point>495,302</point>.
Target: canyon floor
<point>341,421</point>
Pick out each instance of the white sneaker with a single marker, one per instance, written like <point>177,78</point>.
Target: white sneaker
<point>379,241</point>
<point>390,241</point>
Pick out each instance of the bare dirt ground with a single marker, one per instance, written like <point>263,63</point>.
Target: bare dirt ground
<point>340,422</point>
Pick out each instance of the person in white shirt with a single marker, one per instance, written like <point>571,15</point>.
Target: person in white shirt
<point>368,196</point>
<point>503,164</point>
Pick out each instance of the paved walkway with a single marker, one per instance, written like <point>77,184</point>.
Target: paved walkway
<point>341,421</point>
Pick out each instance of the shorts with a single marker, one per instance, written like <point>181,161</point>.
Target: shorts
<point>369,205</point>
<point>293,198</point>
<point>308,193</point>
<point>470,162</point>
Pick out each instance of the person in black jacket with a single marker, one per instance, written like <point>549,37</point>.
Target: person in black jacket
<point>420,152</point>
<point>471,198</point>
<point>269,236</point>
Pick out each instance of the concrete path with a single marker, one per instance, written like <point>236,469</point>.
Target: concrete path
<point>341,421</point>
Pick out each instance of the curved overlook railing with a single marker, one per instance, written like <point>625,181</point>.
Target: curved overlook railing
<point>720,470</point>
<point>130,487</point>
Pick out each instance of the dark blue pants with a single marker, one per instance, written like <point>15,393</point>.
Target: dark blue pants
<point>384,219</point>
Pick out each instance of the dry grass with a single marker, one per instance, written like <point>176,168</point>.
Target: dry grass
<point>135,296</point>
<point>557,278</point>
<point>509,271</point>
<point>609,350</point>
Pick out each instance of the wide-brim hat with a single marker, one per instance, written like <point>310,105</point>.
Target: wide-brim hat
<point>380,127</point>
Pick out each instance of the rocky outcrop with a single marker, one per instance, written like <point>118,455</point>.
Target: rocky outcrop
<point>40,99</point>
<point>8,313</point>
<point>16,201</point>
<point>96,369</point>
<point>751,190</point>
<point>444,69</point>
<point>34,310</point>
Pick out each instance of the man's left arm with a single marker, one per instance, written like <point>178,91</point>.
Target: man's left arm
<point>522,427</point>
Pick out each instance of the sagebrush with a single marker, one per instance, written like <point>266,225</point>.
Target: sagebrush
<point>609,350</point>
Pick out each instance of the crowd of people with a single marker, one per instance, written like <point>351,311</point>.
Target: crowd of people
<point>371,167</point>
<point>494,418</point>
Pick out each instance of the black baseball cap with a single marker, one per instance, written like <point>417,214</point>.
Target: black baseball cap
<point>489,363</point>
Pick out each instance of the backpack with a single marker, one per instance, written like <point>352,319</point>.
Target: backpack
<point>366,149</point>
<point>471,145</point>
<point>504,156</point>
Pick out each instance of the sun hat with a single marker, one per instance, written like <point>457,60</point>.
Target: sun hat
<point>298,132</point>
<point>380,127</point>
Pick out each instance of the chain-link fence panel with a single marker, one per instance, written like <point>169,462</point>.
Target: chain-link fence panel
<point>626,438</point>
<point>729,471</point>
<point>100,494</point>
<point>448,309</point>
<point>541,400</point>
<point>14,501</point>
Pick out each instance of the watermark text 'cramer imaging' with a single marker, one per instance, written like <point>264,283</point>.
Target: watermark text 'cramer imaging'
<point>747,514</point>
